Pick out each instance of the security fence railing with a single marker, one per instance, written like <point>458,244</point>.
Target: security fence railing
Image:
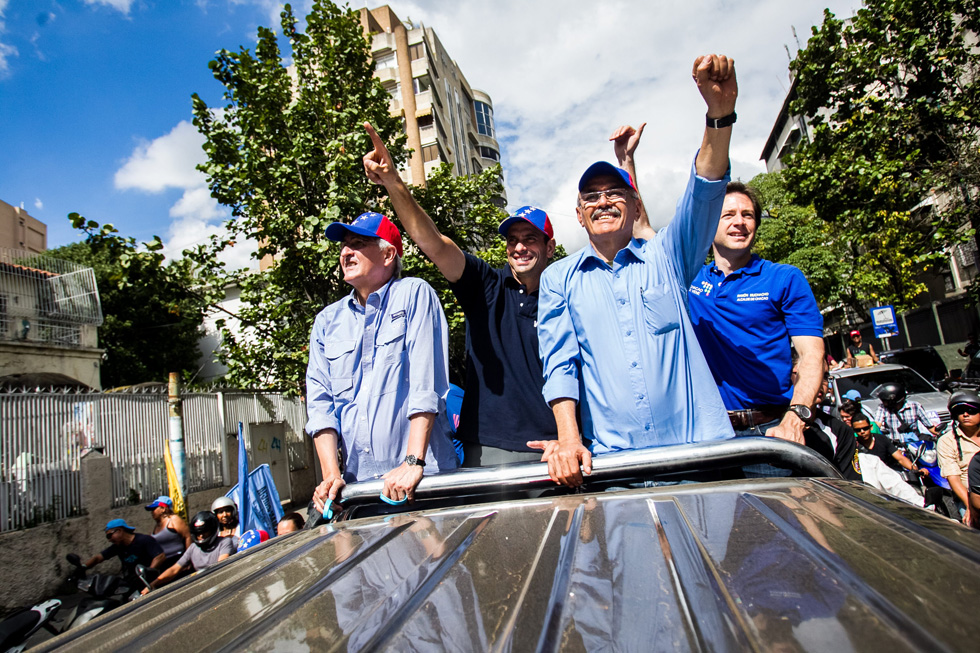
<point>44,434</point>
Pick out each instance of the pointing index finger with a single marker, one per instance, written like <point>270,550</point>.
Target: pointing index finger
<point>375,139</point>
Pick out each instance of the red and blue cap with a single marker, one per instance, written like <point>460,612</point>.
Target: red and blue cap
<point>372,225</point>
<point>532,214</point>
<point>161,500</point>
<point>604,169</point>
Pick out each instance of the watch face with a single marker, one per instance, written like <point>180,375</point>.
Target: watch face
<point>803,411</point>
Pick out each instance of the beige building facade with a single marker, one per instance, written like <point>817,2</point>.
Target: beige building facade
<point>18,230</point>
<point>446,120</point>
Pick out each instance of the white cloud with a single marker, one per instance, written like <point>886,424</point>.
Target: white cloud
<point>166,162</point>
<point>38,204</point>
<point>121,5</point>
<point>564,74</point>
<point>6,50</point>
<point>169,162</point>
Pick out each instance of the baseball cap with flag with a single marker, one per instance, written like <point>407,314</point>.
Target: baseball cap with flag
<point>372,225</point>
<point>532,214</point>
<point>604,169</point>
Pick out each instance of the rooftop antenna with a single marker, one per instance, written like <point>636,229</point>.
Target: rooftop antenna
<point>789,57</point>
<point>798,46</point>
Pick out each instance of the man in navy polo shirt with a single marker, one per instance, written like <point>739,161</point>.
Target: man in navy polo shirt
<point>746,311</point>
<point>502,404</point>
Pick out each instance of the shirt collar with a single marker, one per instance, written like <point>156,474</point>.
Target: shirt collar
<point>633,249</point>
<point>754,267</point>
<point>382,294</point>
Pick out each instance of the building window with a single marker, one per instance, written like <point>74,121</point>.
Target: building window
<point>416,51</point>
<point>484,118</point>
<point>421,84</point>
<point>489,153</point>
<point>430,153</point>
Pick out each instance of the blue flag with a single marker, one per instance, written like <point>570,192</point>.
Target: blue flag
<point>244,504</point>
<point>263,507</point>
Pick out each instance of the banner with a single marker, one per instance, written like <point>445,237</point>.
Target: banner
<point>262,504</point>
<point>180,508</point>
<point>243,501</point>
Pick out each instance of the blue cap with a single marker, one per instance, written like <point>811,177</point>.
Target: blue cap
<point>119,523</point>
<point>853,395</point>
<point>531,214</point>
<point>601,169</point>
<point>372,225</point>
<point>161,500</point>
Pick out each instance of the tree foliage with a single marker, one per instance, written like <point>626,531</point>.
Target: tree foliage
<point>152,312</point>
<point>894,102</point>
<point>284,153</point>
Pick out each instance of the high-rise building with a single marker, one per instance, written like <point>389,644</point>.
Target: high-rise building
<point>18,230</point>
<point>446,120</point>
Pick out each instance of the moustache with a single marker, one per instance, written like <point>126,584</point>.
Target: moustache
<point>612,212</point>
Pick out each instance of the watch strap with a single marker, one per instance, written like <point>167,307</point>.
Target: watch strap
<point>414,460</point>
<point>719,123</point>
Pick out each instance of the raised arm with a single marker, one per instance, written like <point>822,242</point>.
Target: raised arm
<point>379,168</point>
<point>625,140</point>
<point>715,76</point>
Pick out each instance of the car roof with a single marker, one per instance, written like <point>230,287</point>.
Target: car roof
<point>729,565</point>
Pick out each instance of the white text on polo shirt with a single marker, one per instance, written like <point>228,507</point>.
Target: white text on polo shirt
<point>752,297</point>
<point>704,288</point>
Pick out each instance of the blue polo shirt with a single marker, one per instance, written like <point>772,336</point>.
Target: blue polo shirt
<point>744,323</point>
<point>502,403</point>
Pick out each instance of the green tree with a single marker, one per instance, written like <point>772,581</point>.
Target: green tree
<point>285,154</point>
<point>894,102</point>
<point>152,313</point>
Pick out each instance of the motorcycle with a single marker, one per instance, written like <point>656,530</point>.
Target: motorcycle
<point>932,485</point>
<point>16,629</point>
<point>106,592</point>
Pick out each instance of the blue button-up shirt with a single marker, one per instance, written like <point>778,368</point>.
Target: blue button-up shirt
<point>617,338</point>
<point>372,367</point>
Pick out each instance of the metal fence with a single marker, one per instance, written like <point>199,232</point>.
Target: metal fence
<point>44,433</point>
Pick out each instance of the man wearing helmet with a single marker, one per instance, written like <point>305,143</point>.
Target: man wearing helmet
<point>227,513</point>
<point>208,549</point>
<point>956,449</point>
<point>898,416</point>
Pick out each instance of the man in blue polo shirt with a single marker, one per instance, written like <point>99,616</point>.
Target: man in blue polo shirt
<point>746,311</point>
<point>502,405</point>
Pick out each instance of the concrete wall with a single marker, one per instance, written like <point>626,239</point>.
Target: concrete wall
<point>18,230</point>
<point>40,358</point>
<point>34,565</point>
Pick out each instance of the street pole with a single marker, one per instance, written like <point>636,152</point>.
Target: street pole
<point>176,432</point>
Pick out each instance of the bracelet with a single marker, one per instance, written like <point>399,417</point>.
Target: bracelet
<point>719,123</point>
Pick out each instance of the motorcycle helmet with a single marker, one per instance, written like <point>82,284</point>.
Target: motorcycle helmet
<point>222,503</point>
<point>892,394</point>
<point>204,529</point>
<point>960,399</point>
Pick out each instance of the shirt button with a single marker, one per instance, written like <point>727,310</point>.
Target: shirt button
<point>622,301</point>
<point>639,396</point>
<point>633,364</point>
<point>521,291</point>
<point>647,427</point>
<point>629,333</point>
<point>522,303</point>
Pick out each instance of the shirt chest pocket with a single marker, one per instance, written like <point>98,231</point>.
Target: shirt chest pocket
<point>391,340</point>
<point>340,366</point>
<point>659,310</point>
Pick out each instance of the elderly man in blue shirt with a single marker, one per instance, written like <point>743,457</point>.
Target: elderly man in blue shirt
<point>378,371</point>
<point>615,337</point>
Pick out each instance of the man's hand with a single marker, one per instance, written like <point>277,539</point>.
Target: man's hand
<point>968,517</point>
<point>378,164</point>
<point>715,76</point>
<point>625,139</point>
<point>790,429</point>
<point>144,591</point>
<point>400,483</point>
<point>328,489</point>
<point>563,460</point>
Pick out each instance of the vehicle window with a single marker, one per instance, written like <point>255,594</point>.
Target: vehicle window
<point>867,383</point>
<point>925,362</point>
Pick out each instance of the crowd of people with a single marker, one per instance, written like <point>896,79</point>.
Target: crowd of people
<point>632,342</point>
<point>175,548</point>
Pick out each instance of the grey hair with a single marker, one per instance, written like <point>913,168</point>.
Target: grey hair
<point>384,245</point>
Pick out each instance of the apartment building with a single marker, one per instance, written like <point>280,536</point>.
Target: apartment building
<point>446,120</point>
<point>18,230</point>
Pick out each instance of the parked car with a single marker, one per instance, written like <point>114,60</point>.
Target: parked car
<point>924,360</point>
<point>811,562</point>
<point>868,381</point>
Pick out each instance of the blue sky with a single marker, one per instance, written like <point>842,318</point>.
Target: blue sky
<point>95,96</point>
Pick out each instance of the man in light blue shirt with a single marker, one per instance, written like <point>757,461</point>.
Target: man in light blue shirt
<point>378,373</point>
<point>615,337</point>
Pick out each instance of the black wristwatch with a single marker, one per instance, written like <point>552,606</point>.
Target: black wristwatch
<point>414,460</point>
<point>719,123</point>
<point>803,412</point>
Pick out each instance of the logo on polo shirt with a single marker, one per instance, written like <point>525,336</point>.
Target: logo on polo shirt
<point>397,314</point>
<point>752,297</point>
<point>703,289</point>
